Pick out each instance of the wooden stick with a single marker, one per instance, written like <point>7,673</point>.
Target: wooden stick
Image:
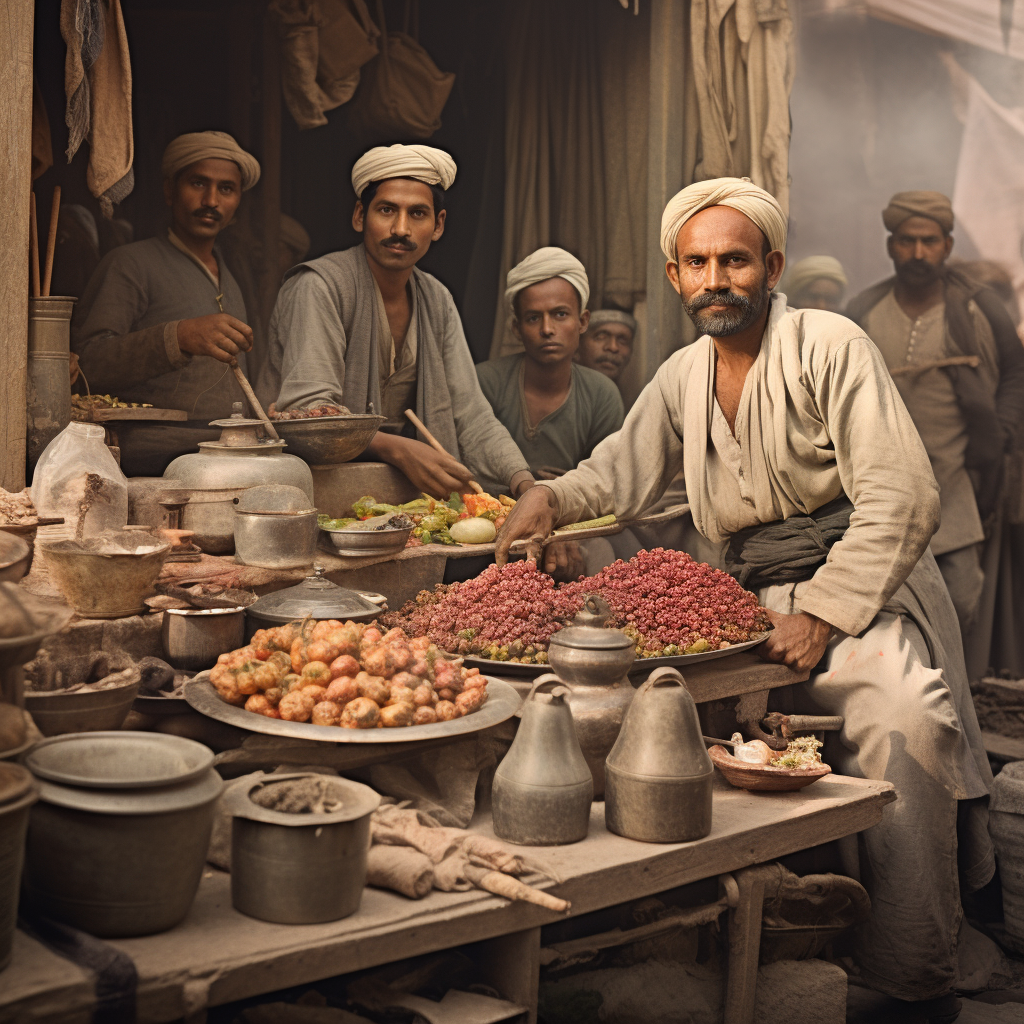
<point>434,443</point>
<point>33,246</point>
<point>935,364</point>
<point>51,241</point>
<point>253,400</point>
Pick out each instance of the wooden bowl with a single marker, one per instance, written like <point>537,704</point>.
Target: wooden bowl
<point>764,778</point>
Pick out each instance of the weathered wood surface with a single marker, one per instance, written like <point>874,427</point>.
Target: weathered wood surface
<point>16,18</point>
<point>218,955</point>
<point>1006,748</point>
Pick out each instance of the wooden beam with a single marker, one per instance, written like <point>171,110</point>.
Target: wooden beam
<point>16,17</point>
<point>270,176</point>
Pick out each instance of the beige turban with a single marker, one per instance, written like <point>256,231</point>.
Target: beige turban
<point>189,149</point>
<point>611,316</point>
<point>739,194</point>
<point>811,269</point>
<point>423,163</point>
<point>933,205</point>
<point>541,266</point>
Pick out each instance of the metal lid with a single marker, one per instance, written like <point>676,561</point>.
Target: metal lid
<point>591,638</point>
<point>315,596</point>
<point>273,498</point>
<point>239,432</point>
<point>15,783</point>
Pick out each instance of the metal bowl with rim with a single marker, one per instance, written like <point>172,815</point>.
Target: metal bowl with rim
<point>15,557</point>
<point>328,440</point>
<point>367,543</point>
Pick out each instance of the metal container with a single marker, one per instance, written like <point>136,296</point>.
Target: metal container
<point>82,710</point>
<point>543,788</point>
<point>49,377</point>
<point>18,792</point>
<point>329,440</point>
<point>275,527</point>
<point>659,774</point>
<point>299,868</point>
<point>15,558</point>
<point>221,470</point>
<point>361,543</point>
<point>593,662</point>
<point>117,843</point>
<point>317,597</point>
<point>194,638</point>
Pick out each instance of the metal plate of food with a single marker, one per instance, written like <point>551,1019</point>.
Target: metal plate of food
<point>517,668</point>
<point>361,543</point>
<point>502,703</point>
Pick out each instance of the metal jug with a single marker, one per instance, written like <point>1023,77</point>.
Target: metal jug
<point>543,788</point>
<point>659,774</point>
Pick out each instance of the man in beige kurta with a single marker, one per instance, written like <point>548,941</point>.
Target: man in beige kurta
<point>814,434</point>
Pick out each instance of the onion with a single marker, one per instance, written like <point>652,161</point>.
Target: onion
<point>473,531</point>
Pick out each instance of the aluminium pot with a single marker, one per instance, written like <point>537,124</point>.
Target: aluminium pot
<point>194,638</point>
<point>117,842</point>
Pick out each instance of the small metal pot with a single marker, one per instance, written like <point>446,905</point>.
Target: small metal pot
<point>194,638</point>
<point>299,868</point>
<point>275,528</point>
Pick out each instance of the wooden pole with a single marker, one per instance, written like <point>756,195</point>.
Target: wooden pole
<point>33,244</point>
<point>270,176</point>
<point>51,240</point>
<point>16,17</point>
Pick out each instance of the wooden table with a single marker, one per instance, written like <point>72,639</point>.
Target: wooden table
<point>218,955</point>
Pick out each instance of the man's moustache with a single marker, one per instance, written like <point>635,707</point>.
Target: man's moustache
<point>401,243</point>
<point>212,214</point>
<point>719,299</point>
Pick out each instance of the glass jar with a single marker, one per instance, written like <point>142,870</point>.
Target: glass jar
<point>78,479</point>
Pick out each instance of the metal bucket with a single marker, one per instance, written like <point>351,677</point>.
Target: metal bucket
<point>299,868</point>
<point>49,376</point>
<point>17,794</point>
<point>195,638</point>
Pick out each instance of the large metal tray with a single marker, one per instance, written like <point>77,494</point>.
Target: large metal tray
<point>515,668</point>
<point>502,704</point>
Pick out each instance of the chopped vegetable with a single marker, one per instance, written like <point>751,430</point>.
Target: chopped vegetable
<point>801,753</point>
<point>327,523</point>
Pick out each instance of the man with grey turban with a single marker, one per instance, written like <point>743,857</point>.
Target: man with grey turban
<point>366,328</point>
<point>959,367</point>
<point>806,477</point>
<point>556,411</point>
<point>815,282</point>
<point>161,320</point>
<point>607,345</point>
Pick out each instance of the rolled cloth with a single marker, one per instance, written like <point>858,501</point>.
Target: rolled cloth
<point>811,269</point>
<point>611,316</point>
<point>541,266</point>
<point>422,163</point>
<point>788,550</point>
<point>738,194</point>
<point>189,149</point>
<point>922,203</point>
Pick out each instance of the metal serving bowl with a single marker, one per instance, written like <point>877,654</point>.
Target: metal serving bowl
<point>15,557</point>
<point>364,543</point>
<point>328,440</point>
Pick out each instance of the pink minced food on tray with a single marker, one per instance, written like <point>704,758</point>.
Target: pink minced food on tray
<point>665,601</point>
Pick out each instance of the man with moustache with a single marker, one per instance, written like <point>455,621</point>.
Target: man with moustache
<point>802,465</point>
<point>555,410</point>
<point>968,415</point>
<point>607,344</point>
<point>161,319</point>
<point>366,327</point>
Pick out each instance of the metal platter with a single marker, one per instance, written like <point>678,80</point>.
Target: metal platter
<point>515,668</point>
<point>502,704</point>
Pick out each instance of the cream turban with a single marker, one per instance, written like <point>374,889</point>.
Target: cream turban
<point>811,269</point>
<point>904,205</point>
<point>189,149</point>
<point>611,316</point>
<point>541,266</point>
<point>739,194</point>
<point>423,163</point>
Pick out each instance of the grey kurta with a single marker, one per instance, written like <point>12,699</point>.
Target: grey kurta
<point>819,416</point>
<point>324,348</point>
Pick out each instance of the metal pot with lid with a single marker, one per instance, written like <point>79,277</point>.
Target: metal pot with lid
<point>317,597</point>
<point>275,527</point>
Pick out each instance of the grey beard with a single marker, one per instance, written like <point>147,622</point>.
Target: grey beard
<point>731,321</point>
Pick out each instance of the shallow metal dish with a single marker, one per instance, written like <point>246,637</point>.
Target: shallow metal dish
<point>328,440</point>
<point>15,557</point>
<point>361,543</point>
<point>516,668</point>
<point>502,704</point>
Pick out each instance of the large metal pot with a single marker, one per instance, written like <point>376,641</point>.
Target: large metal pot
<point>118,840</point>
<point>299,868</point>
<point>18,793</point>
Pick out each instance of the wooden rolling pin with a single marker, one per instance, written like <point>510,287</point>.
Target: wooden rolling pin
<point>434,443</point>
<point>244,384</point>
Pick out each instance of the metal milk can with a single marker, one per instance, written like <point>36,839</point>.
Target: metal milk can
<point>659,773</point>
<point>593,661</point>
<point>543,788</point>
<point>49,379</point>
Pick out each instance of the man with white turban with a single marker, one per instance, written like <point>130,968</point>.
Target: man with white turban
<point>804,470</point>
<point>555,410</point>
<point>366,328</point>
<point>815,282</point>
<point>161,319</point>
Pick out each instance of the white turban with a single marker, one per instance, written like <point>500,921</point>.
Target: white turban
<point>611,316</point>
<point>423,163</point>
<point>739,194</point>
<point>541,266</point>
<point>186,150</point>
<point>811,269</point>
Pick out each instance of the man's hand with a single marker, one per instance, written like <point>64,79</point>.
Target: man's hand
<point>550,472</point>
<point>218,336</point>
<point>798,641</point>
<point>432,472</point>
<point>564,561</point>
<point>532,518</point>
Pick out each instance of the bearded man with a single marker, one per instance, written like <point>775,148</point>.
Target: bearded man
<point>801,463</point>
<point>366,327</point>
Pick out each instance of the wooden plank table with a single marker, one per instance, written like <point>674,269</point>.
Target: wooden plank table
<point>218,955</point>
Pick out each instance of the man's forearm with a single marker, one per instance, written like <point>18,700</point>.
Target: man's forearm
<point>114,362</point>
